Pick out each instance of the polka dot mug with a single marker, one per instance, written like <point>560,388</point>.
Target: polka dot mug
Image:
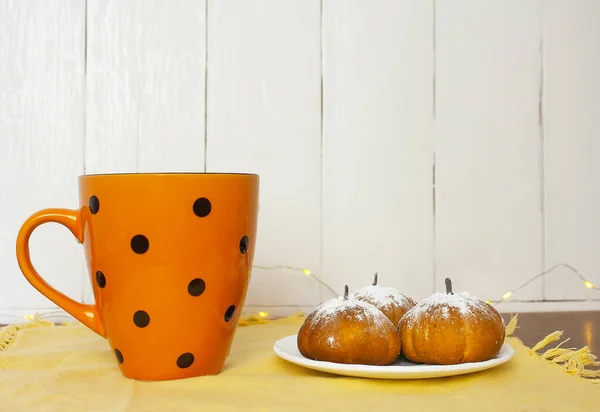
<point>169,257</point>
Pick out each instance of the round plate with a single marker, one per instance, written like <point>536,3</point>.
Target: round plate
<point>287,349</point>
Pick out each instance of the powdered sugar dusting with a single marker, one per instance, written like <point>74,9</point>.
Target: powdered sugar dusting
<point>462,302</point>
<point>328,311</point>
<point>384,296</point>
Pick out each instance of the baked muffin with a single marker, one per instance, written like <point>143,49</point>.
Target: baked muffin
<point>451,328</point>
<point>389,300</point>
<point>346,330</point>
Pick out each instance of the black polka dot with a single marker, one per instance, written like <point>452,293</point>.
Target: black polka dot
<point>229,313</point>
<point>141,318</point>
<point>140,244</point>
<point>196,287</point>
<point>185,360</point>
<point>119,355</point>
<point>94,205</point>
<point>202,207</point>
<point>244,242</point>
<point>100,280</point>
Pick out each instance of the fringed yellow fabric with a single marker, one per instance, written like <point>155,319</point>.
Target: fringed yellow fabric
<point>8,334</point>
<point>512,325</point>
<point>70,368</point>
<point>576,362</point>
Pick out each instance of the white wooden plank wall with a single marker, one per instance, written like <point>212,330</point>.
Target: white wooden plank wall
<point>264,116</point>
<point>419,139</point>
<point>378,143</point>
<point>145,84</point>
<point>42,45</point>
<point>572,143</point>
<point>488,145</point>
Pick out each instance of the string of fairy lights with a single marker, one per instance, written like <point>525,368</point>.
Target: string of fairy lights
<point>506,296</point>
<point>586,283</point>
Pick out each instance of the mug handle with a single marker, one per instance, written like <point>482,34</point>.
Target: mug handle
<point>86,314</point>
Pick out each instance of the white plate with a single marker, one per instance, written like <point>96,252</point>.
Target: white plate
<point>287,349</point>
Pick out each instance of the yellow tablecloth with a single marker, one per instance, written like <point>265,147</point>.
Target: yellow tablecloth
<point>70,369</point>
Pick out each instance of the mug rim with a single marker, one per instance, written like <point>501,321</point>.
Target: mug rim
<point>116,174</point>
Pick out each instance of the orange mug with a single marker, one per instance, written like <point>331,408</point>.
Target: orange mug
<point>169,256</point>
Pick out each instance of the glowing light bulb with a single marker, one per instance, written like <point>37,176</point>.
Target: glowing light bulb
<point>507,295</point>
<point>29,317</point>
<point>263,314</point>
<point>588,284</point>
<point>306,272</point>
<point>489,302</point>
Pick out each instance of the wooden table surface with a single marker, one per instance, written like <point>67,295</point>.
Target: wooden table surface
<point>583,328</point>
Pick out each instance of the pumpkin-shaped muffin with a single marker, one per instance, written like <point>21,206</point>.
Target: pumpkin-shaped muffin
<point>389,300</point>
<point>451,328</point>
<point>346,330</point>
